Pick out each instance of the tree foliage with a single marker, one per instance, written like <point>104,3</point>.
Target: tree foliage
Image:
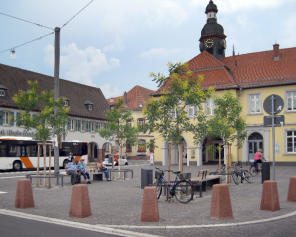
<point>168,114</point>
<point>119,128</point>
<point>45,122</point>
<point>227,122</point>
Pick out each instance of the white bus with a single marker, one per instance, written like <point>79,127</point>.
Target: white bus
<point>21,153</point>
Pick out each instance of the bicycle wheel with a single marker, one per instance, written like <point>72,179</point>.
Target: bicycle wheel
<point>184,191</point>
<point>248,176</point>
<point>253,171</point>
<point>235,177</point>
<point>158,188</point>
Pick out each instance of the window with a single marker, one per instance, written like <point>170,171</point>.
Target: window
<point>71,124</point>
<point>142,145</point>
<point>66,103</point>
<point>92,126</point>
<point>291,141</point>
<point>129,122</point>
<point>90,107</point>
<point>78,125</point>
<point>2,92</point>
<point>87,126</point>
<point>6,118</point>
<point>141,121</point>
<point>210,107</point>
<point>192,111</point>
<point>254,103</point>
<point>291,101</point>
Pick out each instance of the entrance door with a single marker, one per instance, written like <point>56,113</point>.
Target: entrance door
<point>255,141</point>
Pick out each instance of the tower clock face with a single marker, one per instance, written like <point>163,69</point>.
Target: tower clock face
<point>209,43</point>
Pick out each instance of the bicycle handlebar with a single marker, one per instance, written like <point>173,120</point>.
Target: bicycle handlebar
<point>172,171</point>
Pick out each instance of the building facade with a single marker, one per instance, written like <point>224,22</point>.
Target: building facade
<point>252,78</point>
<point>87,108</point>
<point>134,100</point>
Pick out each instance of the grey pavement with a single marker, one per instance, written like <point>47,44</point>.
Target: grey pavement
<point>118,203</point>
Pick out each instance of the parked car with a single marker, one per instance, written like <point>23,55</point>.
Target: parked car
<point>109,158</point>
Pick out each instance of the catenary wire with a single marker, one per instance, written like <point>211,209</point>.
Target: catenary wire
<point>20,19</point>
<point>28,42</point>
<point>77,14</point>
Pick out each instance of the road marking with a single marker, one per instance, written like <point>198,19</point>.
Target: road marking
<point>166,227</point>
<point>1,192</point>
<point>12,177</point>
<point>77,225</point>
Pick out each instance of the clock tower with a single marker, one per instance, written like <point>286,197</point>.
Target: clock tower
<point>212,35</point>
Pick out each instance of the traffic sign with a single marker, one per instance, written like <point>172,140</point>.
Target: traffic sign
<point>278,104</point>
<point>279,120</point>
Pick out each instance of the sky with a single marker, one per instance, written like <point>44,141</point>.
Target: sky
<point>115,44</point>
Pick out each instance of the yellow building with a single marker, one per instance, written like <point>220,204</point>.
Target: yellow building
<point>252,78</point>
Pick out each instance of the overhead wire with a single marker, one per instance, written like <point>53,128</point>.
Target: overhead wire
<point>67,22</point>
<point>28,42</point>
<point>27,21</point>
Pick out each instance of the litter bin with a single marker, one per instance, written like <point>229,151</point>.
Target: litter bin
<point>265,172</point>
<point>146,177</point>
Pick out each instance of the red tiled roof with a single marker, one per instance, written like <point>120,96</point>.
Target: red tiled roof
<point>136,98</point>
<point>246,70</point>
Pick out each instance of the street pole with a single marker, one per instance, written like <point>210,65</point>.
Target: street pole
<point>273,137</point>
<point>56,91</point>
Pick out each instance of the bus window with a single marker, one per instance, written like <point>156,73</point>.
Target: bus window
<point>3,150</point>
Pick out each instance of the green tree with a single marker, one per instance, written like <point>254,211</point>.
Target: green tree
<point>227,123</point>
<point>45,123</point>
<point>119,128</point>
<point>168,114</point>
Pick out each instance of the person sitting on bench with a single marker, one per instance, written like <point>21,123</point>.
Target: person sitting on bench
<point>71,169</point>
<point>81,167</point>
<point>102,168</point>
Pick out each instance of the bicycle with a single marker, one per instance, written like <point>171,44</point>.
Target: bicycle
<point>243,174</point>
<point>253,170</point>
<point>182,189</point>
<point>221,172</point>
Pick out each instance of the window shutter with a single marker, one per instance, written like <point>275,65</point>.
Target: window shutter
<point>1,117</point>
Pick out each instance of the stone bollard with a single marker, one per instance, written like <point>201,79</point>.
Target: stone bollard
<point>292,190</point>
<point>150,211</point>
<point>270,197</point>
<point>221,202</point>
<point>24,194</point>
<point>80,202</point>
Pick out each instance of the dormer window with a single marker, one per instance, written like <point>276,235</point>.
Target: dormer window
<point>66,103</point>
<point>89,105</point>
<point>3,91</point>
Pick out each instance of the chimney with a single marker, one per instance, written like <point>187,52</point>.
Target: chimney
<point>125,98</point>
<point>276,52</point>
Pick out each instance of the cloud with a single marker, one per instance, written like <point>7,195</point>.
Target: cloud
<point>155,53</point>
<point>236,5</point>
<point>116,46</point>
<point>109,91</point>
<point>81,65</point>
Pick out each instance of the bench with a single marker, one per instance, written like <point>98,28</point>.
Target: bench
<point>204,179</point>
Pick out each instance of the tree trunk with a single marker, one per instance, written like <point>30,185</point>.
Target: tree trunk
<point>180,157</point>
<point>169,161</point>
<point>38,166</point>
<point>44,162</point>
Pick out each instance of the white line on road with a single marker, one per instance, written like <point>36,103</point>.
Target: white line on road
<point>12,177</point>
<point>77,225</point>
<point>1,192</point>
<point>202,226</point>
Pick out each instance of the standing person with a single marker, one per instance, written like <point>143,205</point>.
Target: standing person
<point>258,157</point>
<point>81,167</point>
<point>102,168</point>
<point>71,169</point>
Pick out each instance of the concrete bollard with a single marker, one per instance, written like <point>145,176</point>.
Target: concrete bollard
<point>80,202</point>
<point>150,211</point>
<point>270,197</point>
<point>221,202</point>
<point>292,190</point>
<point>24,194</point>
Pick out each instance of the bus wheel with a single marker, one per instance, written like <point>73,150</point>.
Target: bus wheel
<point>17,166</point>
<point>65,163</point>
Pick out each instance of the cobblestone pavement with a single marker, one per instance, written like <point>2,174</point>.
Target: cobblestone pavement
<point>119,202</point>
